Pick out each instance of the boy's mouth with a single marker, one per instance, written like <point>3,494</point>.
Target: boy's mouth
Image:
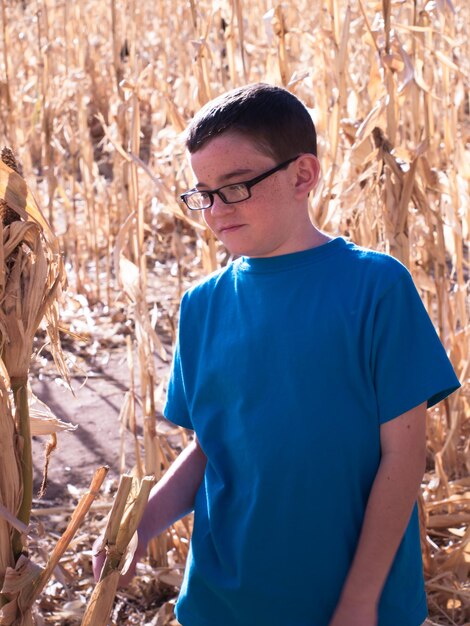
<point>230,228</point>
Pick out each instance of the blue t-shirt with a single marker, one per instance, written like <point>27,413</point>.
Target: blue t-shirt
<point>285,368</point>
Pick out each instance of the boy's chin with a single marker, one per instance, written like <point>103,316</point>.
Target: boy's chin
<point>253,254</point>
<point>237,251</point>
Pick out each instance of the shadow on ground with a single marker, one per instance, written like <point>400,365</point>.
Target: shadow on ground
<point>94,409</point>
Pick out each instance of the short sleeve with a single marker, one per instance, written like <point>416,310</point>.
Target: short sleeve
<point>176,408</point>
<point>176,405</point>
<point>409,363</point>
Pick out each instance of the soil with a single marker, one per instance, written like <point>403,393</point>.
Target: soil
<point>96,346</point>
<point>93,407</point>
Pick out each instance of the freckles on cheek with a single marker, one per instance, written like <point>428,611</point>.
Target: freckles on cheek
<point>207,219</point>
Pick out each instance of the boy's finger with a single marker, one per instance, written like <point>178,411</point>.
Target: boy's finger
<point>98,546</point>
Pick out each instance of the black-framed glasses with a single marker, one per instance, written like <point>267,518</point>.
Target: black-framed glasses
<point>197,200</point>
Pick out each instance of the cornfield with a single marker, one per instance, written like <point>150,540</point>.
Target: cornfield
<point>94,99</point>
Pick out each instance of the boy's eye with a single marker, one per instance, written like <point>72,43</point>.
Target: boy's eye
<point>235,187</point>
<point>237,191</point>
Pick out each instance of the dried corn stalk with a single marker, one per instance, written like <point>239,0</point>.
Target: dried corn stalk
<point>31,275</point>
<point>120,542</point>
<point>10,481</point>
<point>24,583</point>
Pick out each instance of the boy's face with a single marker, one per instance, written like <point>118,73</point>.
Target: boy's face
<point>275,219</point>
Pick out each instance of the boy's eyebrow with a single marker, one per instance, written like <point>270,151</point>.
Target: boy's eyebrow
<point>225,177</point>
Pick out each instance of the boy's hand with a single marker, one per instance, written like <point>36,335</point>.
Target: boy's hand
<point>99,557</point>
<point>349,614</point>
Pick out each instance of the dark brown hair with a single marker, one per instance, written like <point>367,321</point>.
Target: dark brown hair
<point>275,120</point>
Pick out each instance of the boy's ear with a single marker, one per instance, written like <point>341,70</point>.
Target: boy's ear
<point>307,173</point>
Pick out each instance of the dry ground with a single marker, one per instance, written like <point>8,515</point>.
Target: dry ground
<point>94,409</point>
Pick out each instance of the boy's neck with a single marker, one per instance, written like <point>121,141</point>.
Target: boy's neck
<point>311,238</point>
<point>317,238</point>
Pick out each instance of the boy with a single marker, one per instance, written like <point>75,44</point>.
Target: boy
<point>305,368</point>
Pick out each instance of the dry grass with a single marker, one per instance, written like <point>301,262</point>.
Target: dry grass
<point>94,97</point>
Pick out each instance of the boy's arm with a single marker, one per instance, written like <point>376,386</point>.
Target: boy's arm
<point>170,499</point>
<point>393,494</point>
<point>173,496</point>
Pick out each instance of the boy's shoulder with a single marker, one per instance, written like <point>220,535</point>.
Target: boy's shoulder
<point>204,286</point>
<point>383,266</point>
<point>363,254</point>
<point>344,258</point>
